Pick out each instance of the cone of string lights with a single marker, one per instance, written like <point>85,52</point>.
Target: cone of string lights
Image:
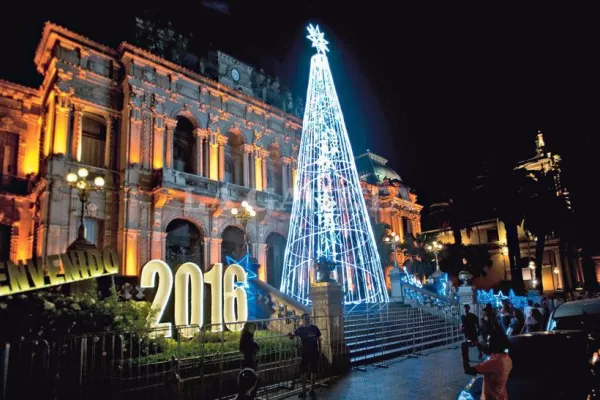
<point>329,222</point>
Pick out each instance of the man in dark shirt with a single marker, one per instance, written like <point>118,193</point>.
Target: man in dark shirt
<point>470,328</point>
<point>310,337</point>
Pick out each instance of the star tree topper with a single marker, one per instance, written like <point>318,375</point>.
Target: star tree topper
<point>318,39</point>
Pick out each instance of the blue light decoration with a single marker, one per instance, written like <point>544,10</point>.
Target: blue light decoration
<point>329,215</point>
<point>412,280</point>
<point>495,300</point>
<point>258,307</point>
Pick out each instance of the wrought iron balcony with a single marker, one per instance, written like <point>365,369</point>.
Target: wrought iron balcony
<point>14,185</point>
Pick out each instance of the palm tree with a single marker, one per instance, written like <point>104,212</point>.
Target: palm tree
<point>452,212</point>
<point>546,213</point>
<point>501,191</point>
<point>380,231</point>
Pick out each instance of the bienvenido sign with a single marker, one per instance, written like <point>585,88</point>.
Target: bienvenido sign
<point>54,270</point>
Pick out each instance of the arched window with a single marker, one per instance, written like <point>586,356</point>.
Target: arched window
<point>184,146</point>
<point>233,243</point>
<point>229,171</point>
<point>183,243</point>
<point>93,140</point>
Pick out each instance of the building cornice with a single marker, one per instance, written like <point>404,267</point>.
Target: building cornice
<point>165,66</point>
<point>17,91</point>
<point>52,32</point>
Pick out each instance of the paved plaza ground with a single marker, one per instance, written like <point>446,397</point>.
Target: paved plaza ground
<point>437,375</point>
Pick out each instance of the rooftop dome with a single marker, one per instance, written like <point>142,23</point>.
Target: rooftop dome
<point>371,165</point>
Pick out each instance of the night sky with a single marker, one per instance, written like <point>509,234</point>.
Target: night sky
<point>435,90</point>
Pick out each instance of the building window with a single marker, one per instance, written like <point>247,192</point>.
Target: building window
<point>184,145</point>
<point>5,231</point>
<point>9,143</point>
<point>92,231</point>
<point>492,235</point>
<point>93,141</point>
<point>229,170</point>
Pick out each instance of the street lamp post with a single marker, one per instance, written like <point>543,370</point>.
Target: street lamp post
<point>80,182</point>
<point>436,247</point>
<point>393,241</point>
<point>243,215</point>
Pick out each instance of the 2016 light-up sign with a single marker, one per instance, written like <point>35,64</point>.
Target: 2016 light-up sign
<point>189,281</point>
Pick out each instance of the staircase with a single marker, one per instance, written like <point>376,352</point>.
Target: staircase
<point>375,333</point>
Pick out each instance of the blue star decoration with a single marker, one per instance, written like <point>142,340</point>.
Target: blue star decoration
<point>318,39</point>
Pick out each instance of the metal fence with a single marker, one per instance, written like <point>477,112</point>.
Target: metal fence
<point>194,363</point>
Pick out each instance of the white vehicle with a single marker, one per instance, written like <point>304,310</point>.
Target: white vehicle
<point>576,315</point>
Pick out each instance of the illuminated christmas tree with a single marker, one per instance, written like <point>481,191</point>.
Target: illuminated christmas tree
<point>329,225</point>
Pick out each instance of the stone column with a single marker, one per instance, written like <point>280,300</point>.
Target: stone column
<point>213,155</point>
<point>108,155</point>
<point>258,183</point>
<point>261,259</point>
<point>246,152</point>
<point>215,250</point>
<point>170,124</point>
<point>400,231</point>
<point>62,124</point>
<point>264,155</point>
<point>158,148</point>
<point>284,175</point>
<point>251,180</point>
<point>206,254</point>
<point>77,132</point>
<point>328,314</point>
<point>294,172</point>
<point>201,134</point>
<point>221,141</point>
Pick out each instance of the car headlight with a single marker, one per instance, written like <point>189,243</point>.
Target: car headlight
<point>465,396</point>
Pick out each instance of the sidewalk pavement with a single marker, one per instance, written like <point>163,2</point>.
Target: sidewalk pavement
<point>437,375</point>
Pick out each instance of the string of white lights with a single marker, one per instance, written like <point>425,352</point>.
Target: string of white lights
<point>329,215</point>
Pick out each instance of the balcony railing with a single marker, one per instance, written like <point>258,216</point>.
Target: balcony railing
<point>223,191</point>
<point>14,185</point>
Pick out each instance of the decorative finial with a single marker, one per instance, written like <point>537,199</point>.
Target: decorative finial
<point>539,143</point>
<point>318,39</point>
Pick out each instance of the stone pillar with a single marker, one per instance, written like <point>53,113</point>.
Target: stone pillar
<point>468,295</point>
<point>258,183</point>
<point>77,132</point>
<point>213,155</point>
<point>201,135</point>
<point>294,172</point>
<point>206,254</point>
<point>246,154</point>
<point>400,230</point>
<point>396,279</point>
<point>261,259</point>
<point>251,180</point>
<point>215,250</point>
<point>264,155</point>
<point>328,314</point>
<point>62,124</point>
<point>284,175</point>
<point>108,155</point>
<point>170,124</point>
<point>221,141</point>
<point>158,148</point>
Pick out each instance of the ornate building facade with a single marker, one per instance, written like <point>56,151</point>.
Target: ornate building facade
<point>178,149</point>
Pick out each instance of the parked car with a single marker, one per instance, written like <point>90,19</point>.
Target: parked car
<point>576,315</point>
<point>548,365</point>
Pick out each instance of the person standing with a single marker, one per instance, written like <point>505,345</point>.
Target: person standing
<point>311,338</point>
<point>470,328</point>
<point>495,369</point>
<point>248,346</point>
